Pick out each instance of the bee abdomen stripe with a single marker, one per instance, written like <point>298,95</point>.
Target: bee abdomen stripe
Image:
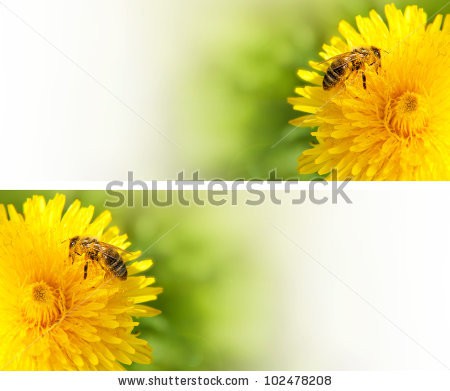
<point>122,272</point>
<point>113,262</point>
<point>329,82</point>
<point>332,75</point>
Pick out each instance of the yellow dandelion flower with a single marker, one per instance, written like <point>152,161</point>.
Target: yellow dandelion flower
<point>397,128</point>
<point>51,317</point>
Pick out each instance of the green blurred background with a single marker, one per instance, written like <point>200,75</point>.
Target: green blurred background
<point>230,100</point>
<point>216,300</point>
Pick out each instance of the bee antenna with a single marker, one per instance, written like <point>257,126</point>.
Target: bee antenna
<point>386,51</point>
<point>64,241</point>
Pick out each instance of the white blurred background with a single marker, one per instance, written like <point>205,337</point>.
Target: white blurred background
<point>85,89</point>
<point>363,286</point>
<point>91,89</point>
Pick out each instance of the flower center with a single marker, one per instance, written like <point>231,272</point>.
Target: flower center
<point>41,293</point>
<point>42,304</point>
<point>408,114</point>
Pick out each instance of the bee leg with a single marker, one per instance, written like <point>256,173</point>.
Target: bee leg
<point>85,270</point>
<point>377,66</point>
<point>73,257</point>
<point>364,79</point>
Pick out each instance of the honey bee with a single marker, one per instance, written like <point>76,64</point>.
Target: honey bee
<point>345,64</point>
<point>106,255</point>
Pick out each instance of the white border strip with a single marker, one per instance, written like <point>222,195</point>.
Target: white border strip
<point>257,380</point>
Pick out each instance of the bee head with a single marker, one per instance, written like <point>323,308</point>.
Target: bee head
<point>376,52</point>
<point>73,241</point>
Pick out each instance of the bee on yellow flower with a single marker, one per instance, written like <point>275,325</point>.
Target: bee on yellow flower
<point>53,316</point>
<point>394,124</point>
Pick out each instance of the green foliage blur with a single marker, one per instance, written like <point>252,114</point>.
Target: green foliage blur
<point>242,76</point>
<point>213,283</point>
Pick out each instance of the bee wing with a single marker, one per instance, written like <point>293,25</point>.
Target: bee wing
<point>330,59</point>
<point>342,55</point>
<point>345,57</point>
<point>101,246</point>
